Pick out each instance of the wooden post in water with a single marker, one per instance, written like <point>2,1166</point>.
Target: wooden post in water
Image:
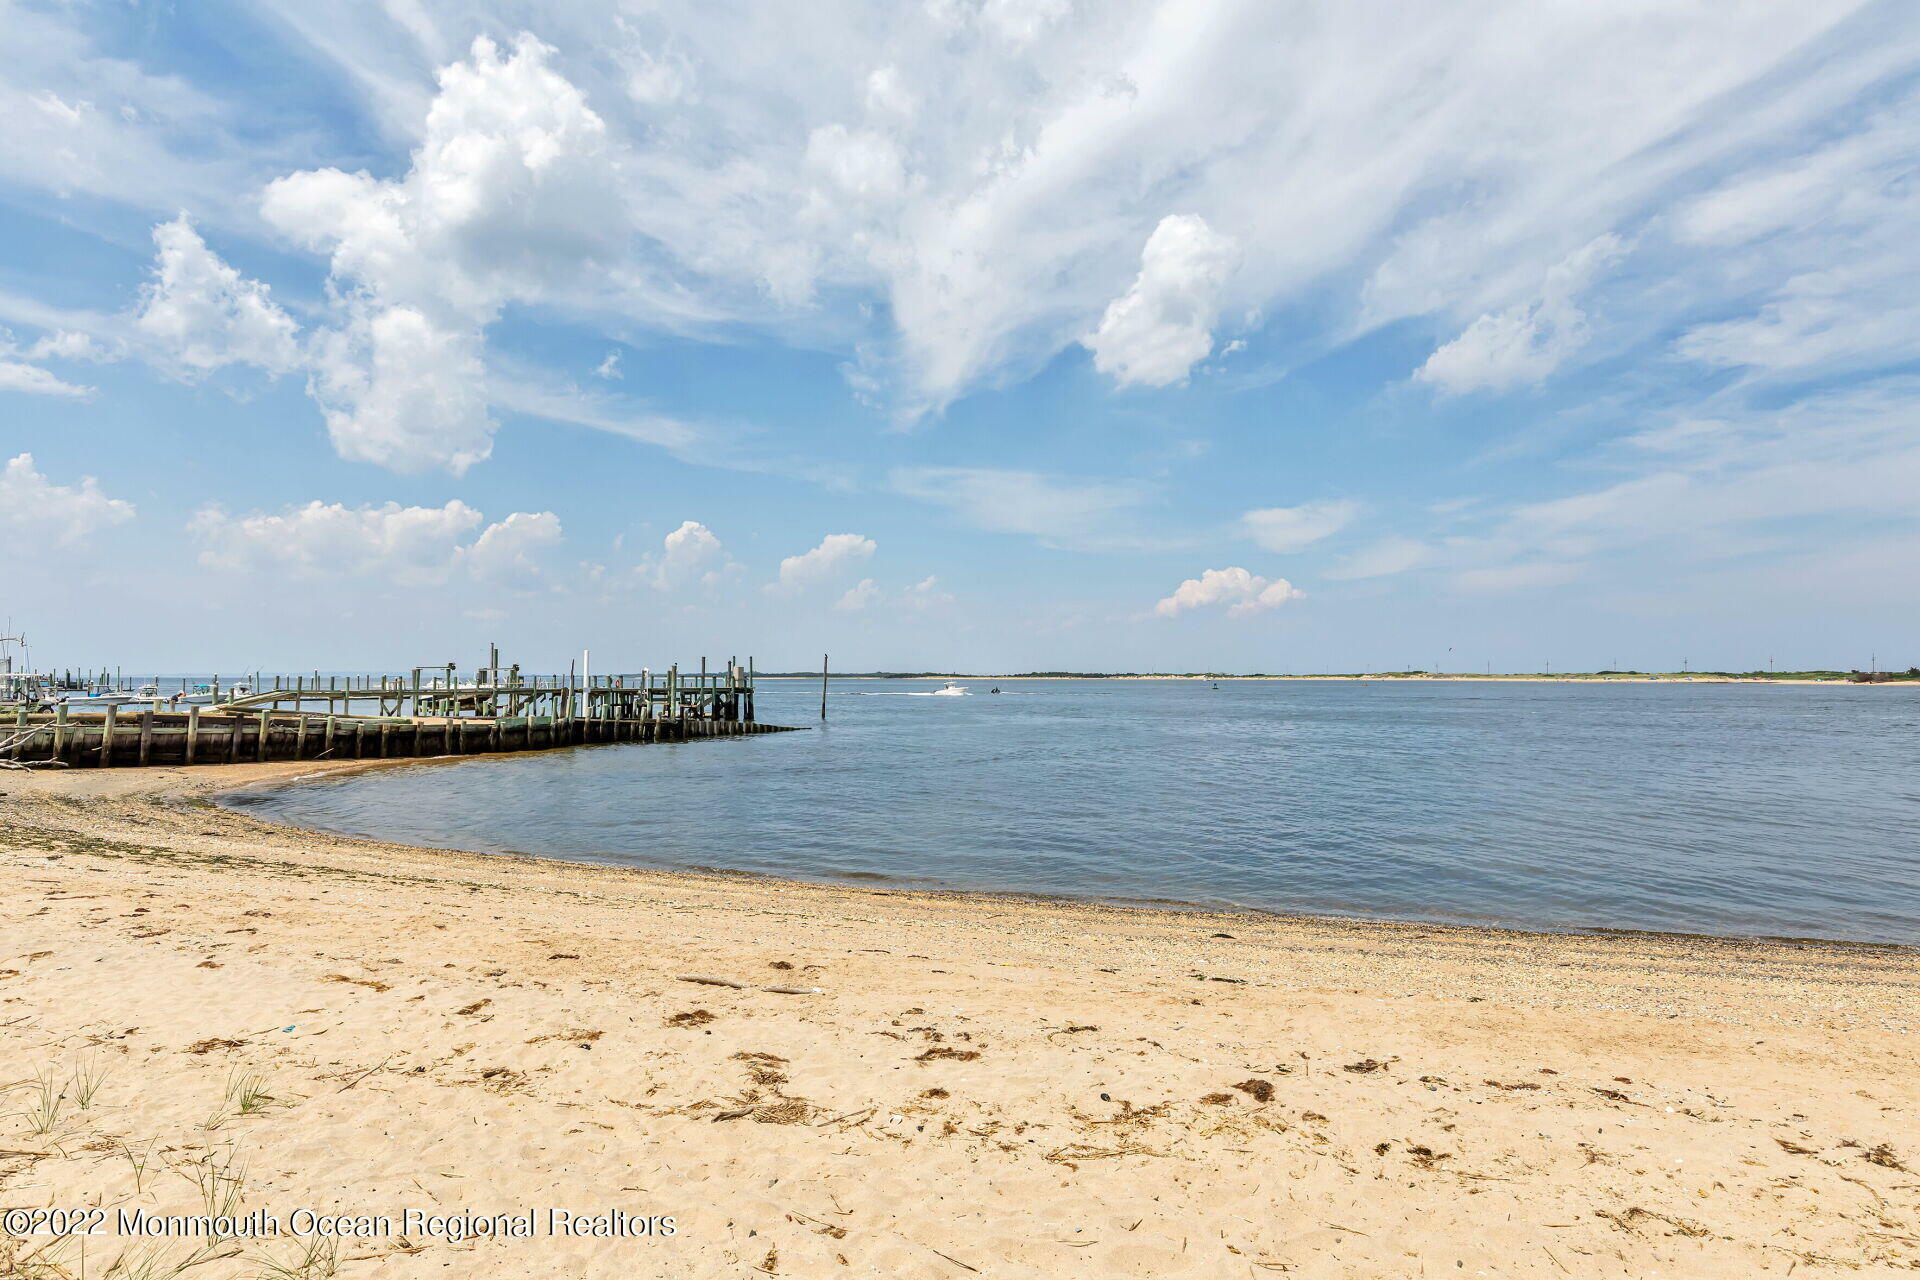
<point>823,686</point>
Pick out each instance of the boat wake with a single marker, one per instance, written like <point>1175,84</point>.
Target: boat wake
<point>950,690</point>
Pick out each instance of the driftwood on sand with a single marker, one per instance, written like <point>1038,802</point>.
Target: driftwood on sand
<point>711,981</point>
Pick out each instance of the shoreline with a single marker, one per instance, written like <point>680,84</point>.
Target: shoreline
<point>1178,907</point>
<point>1198,1093</point>
<point>1396,678</point>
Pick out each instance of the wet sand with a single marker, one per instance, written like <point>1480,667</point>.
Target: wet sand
<point>230,1014</point>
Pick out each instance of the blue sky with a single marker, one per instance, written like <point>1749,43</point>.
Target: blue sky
<point>974,334</point>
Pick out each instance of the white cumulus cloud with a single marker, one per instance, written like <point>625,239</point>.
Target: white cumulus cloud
<point>1155,332</point>
<point>859,596</point>
<point>389,543</point>
<point>512,196</point>
<point>691,553</point>
<point>36,513</point>
<point>507,554</point>
<point>926,595</point>
<point>204,315</point>
<point>401,390</point>
<point>920,598</point>
<point>1242,592</point>
<point>836,554</point>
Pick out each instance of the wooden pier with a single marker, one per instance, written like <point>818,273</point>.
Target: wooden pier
<point>430,712</point>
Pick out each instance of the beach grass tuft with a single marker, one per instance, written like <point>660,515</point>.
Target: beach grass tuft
<point>138,1162</point>
<point>246,1095</point>
<point>46,1102</point>
<point>318,1259</point>
<point>85,1083</point>
<point>220,1179</point>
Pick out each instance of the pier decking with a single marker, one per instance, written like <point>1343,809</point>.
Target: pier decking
<point>431,712</point>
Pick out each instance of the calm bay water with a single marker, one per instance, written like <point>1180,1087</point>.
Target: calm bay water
<point>1723,809</point>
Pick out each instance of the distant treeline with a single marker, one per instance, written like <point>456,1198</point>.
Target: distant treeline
<point>1854,676</point>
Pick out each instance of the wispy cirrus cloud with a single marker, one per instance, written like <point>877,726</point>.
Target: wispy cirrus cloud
<point>37,380</point>
<point>689,173</point>
<point>1056,510</point>
<point>919,161</point>
<point>1523,344</point>
<point>1288,529</point>
<point>1379,559</point>
<point>1691,232</point>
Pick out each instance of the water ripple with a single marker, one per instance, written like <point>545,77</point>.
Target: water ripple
<point>1722,809</point>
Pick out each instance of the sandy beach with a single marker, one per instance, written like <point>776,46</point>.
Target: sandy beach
<point>206,1013</point>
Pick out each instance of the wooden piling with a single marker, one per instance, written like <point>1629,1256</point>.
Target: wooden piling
<point>502,709</point>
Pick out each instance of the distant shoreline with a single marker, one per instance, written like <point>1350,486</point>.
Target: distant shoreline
<point>1901,681</point>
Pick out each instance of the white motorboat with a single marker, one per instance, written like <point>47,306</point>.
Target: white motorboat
<point>103,698</point>
<point>207,694</point>
<point>950,690</point>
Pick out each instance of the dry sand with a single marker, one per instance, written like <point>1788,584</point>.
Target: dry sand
<point>275,1020</point>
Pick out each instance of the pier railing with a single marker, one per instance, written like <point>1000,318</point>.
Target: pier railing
<point>431,711</point>
<point>496,691</point>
